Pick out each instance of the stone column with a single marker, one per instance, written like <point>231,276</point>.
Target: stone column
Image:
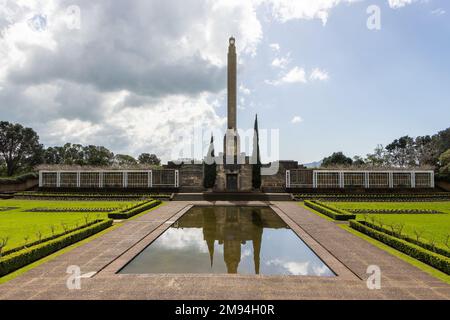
<point>232,84</point>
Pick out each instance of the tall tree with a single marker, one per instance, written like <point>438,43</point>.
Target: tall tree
<point>209,179</point>
<point>97,156</point>
<point>124,160</point>
<point>401,152</point>
<point>444,162</point>
<point>150,159</point>
<point>256,160</point>
<point>337,159</point>
<point>19,147</point>
<point>378,157</point>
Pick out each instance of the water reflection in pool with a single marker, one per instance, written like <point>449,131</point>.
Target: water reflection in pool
<point>244,240</point>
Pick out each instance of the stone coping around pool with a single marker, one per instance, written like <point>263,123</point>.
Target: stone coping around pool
<point>399,280</point>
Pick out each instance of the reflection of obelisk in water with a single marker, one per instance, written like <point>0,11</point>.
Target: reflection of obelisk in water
<point>232,239</point>
<point>256,239</point>
<point>231,141</point>
<point>209,231</point>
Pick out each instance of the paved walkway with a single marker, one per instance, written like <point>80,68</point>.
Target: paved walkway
<point>347,254</point>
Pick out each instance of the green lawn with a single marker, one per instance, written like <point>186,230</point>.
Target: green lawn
<point>17,224</point>
<point>435,226</point>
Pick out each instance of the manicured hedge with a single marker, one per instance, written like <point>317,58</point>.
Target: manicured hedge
<point>334,213</point>
<point>433,259</point>
<point>435,196</point>
<point>19,179</point>
<point>46,239</point>
<point>440,250</point>
<point>82,195</point>
<point>121,214</point>
<point>395,211</point>
<point>19,259</point>
<point>87,210</point>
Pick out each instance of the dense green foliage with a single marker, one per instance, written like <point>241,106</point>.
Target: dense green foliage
<point>337,159</point>
<point>19,147</point>
<point>444,162</point>
<point>150,159</point>
<point>20,151</point>
<point>210,167</point>
<point>256,158</point>
<point>435,260</point>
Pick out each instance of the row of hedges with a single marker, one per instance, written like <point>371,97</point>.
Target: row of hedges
<point>19,179</point>
<point>87,210</point>
<point>47,238</point>
<point>334,213</point>
<point>435,196</point>
<point>395,211</point>
<point>88,196</point>
<point>433,259</point>
<point>435,248</point>
<point>121,214</point>
<point>24,257</point>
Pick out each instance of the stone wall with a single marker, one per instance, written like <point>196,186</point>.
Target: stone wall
<point>244,172</point>
<point>31,183</point>
<point>191,177</point>
<point>277,182</point>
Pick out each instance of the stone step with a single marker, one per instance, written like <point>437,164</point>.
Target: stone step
<point>232,196</point>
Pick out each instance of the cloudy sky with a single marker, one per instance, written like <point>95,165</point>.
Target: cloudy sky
<point>136,76</point>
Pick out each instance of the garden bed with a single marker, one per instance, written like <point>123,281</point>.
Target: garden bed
<point>36,195</point>
<point>431,258</point>
<point>331,212</point>
<point>378,197</point>
<point>20,258</point>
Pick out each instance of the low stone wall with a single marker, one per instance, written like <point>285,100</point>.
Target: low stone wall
<point>191,177</point>
<point>22,186</point>
<point>277,182</point>
<point>443,185</point>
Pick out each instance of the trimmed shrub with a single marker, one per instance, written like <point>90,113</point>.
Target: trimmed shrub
<point>395,211</point>
<point>88,196</point>
<point>440,250</point>
<point>19,259</point>
<point>125,214</point>
<point>334,213</point>
<point>433,259</point>
<point>435,196</point>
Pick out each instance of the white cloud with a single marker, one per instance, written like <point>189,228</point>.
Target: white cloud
<point>244,90</point>
<point>395,4</point>
<point>295,75</point>
<point>132,87</point>
<point>438,12</point>
<point>275,47</point>
<point>319,74</point>
<point>285,10</point>
<point>298,75</point>
<point>296,119</point>
<point>281,62</point>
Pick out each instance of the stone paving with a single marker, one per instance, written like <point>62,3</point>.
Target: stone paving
<point>345,253</point>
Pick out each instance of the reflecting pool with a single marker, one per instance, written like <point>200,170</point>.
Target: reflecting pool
<point>244,240</point>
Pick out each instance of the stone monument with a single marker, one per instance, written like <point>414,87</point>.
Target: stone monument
<point>235,172</point>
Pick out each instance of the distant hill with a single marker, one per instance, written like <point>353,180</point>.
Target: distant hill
<point>316,164</point>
